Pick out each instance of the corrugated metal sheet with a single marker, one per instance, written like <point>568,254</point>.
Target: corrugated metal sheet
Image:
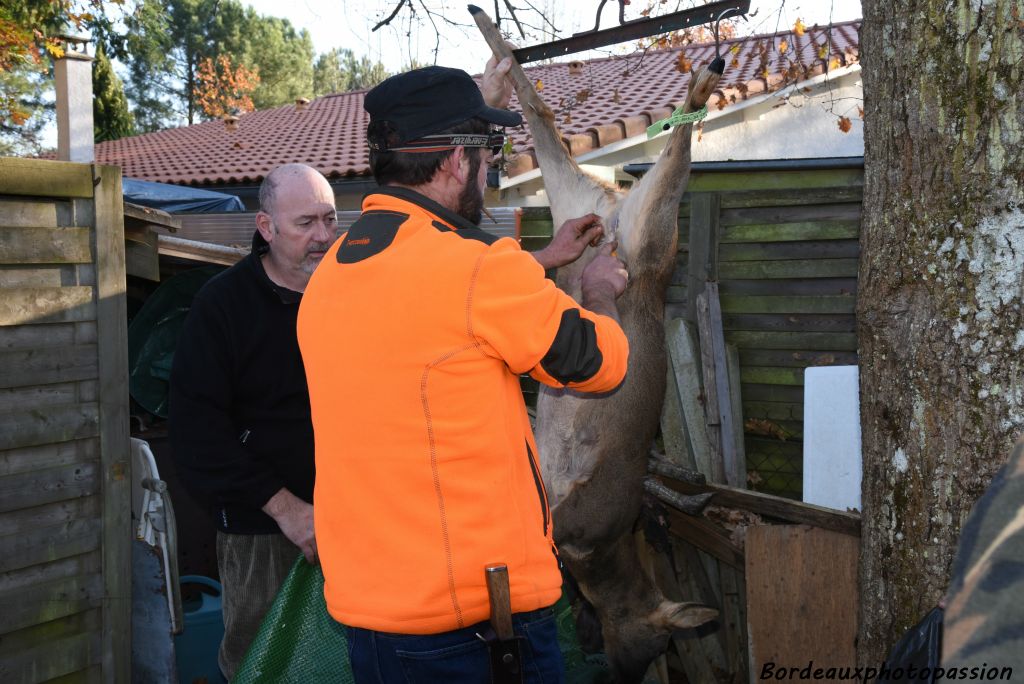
<point>236,229</point>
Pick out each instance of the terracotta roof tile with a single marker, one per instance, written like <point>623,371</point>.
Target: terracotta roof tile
<point>625,94</point>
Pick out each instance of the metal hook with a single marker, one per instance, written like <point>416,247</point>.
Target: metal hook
<point>727,13</point>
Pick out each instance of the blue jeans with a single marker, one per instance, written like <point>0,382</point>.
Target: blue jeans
<point>456,657</point>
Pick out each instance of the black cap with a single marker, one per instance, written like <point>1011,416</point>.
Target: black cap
<point>428,100</point>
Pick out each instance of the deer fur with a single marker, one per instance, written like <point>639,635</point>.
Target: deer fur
<point>594,450</point>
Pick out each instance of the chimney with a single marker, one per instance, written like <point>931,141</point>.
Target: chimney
<point>73,76</point>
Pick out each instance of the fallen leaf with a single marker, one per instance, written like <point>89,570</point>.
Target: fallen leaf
<point>582,95</point>
<point>823,51</point>
<point>615,96</point>
<point>783,46</point>
<point>844,124</point>
<point>735,49</point>
<point>833,64</point>
<point>799,28</point>
<point>683,65</point>
<point>735,63</point>
<point>860,113</point>
<point>539,85</point>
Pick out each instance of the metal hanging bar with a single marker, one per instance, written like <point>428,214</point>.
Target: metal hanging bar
<point>633,30</point>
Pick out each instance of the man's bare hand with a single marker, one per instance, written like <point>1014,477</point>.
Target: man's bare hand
<point>570,241</point>
<point>295,518</point>
<point>603,281</point>
<point>494,86</point>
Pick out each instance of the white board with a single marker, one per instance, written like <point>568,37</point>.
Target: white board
<point>832,456</point>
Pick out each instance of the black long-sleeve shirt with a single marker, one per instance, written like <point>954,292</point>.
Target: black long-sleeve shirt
<point>240,423</point>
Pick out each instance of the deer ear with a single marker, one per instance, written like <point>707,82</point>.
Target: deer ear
<point>671,615</point>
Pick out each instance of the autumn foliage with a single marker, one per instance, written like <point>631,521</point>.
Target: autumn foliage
<point>224,87</point>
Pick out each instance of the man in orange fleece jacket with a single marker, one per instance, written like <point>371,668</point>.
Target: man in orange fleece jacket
<point>414,331</point>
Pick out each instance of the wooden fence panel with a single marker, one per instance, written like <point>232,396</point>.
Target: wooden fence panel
<point>65,499</point>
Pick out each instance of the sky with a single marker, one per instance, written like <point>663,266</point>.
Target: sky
<point>347,24</point>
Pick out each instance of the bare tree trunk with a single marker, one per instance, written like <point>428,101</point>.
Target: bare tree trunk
<point>940,301</point>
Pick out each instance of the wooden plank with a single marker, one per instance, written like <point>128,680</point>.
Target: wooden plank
<point>36,336</point>
<point>56,424</point>
<point>788,213</point>
<point>44,178</point>
<point>35,275</point>
<point>136,215</point>
<point>760,304</point>
<point>734,620</point>
<point>772,376</point>
<point>776,180</point>
<point>92,675</point>
<point>40,487</point>
<point>25,398</point>
<point>50,660</point>
<point>788,251</point>
<point>27,213</point>
<point>792,322</point>
<point>695,585</point>
<point>776,393</point>
<point>717,408</point>
<point>773,506</point>
<point>142,259</point>
<point>683,356</point>
<point>822,341</point>
<point>26,577</point>
<point>790,232</point>
<point>732,361</point>
<point>46,515</point>
<point>44,246</point>
<point>706,536</point>
<point>673,424</point>
<point>810,576</point>
<point>779,198</point>
<point>37,305</point>
<point>773,410</point>
<point>46,366</point>
<point>112,326</point>
<point>40,545</point>
<point>50,601</point>
<point>797,358</point>
<point>815,287</point>
<point>200,251</point>
<point>702,259</point>
<point>815,268</point>
<point>21,640</point>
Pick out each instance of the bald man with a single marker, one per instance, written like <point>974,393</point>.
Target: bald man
<point>240,423</point>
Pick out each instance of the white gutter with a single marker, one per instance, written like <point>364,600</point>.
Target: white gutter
<point>658,141</point>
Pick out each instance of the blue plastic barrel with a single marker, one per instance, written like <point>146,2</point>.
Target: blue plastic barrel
<point>197,645</point>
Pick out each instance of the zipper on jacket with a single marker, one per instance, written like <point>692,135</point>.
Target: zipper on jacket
<point>540,488</point>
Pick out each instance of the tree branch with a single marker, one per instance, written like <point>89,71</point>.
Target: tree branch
<point>391,17</point>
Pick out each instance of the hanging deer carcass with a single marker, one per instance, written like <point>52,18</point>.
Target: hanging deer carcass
<point>594,451</point>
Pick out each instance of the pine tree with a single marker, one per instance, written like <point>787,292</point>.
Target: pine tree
<point>110,115</point>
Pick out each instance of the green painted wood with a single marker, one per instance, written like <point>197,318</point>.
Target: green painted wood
<point>772,376</point>
<point>821,268</point>
<point>790,394</point>
<point>55,658</point>
<point>44,246</point>
<point>19,641</point>
<point>806,304</point>
<point>785,198</point>
<point>791,232</point>
<point>775,180</point>
<point>43,178</point>
<point>822,341</point>
<point>801,358</point>
<point>791,322</point>
<point>27,214</point>
<point>45,515</point>
<point>816,287</point>
<point>55,424</point>
<point>27,459</point>
<point>784,251</point>
<point>774,411</point>
<point>844,212</point>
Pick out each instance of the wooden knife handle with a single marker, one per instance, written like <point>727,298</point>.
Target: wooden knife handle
<point>501,600</point>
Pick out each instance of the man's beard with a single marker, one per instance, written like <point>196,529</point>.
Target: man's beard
<point>471,199</point>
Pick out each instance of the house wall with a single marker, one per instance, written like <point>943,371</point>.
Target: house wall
<point>65,500</point>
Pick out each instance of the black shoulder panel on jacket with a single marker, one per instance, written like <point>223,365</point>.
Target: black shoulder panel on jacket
<point>574,355</point>
<point>468,233</point>
<point>371,234</point>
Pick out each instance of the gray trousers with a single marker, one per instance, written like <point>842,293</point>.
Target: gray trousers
<point>252,568</point>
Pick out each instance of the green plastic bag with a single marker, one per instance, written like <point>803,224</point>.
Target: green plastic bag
<point>299,642</point>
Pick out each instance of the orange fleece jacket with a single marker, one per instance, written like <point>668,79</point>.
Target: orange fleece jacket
<point>414,330</point>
